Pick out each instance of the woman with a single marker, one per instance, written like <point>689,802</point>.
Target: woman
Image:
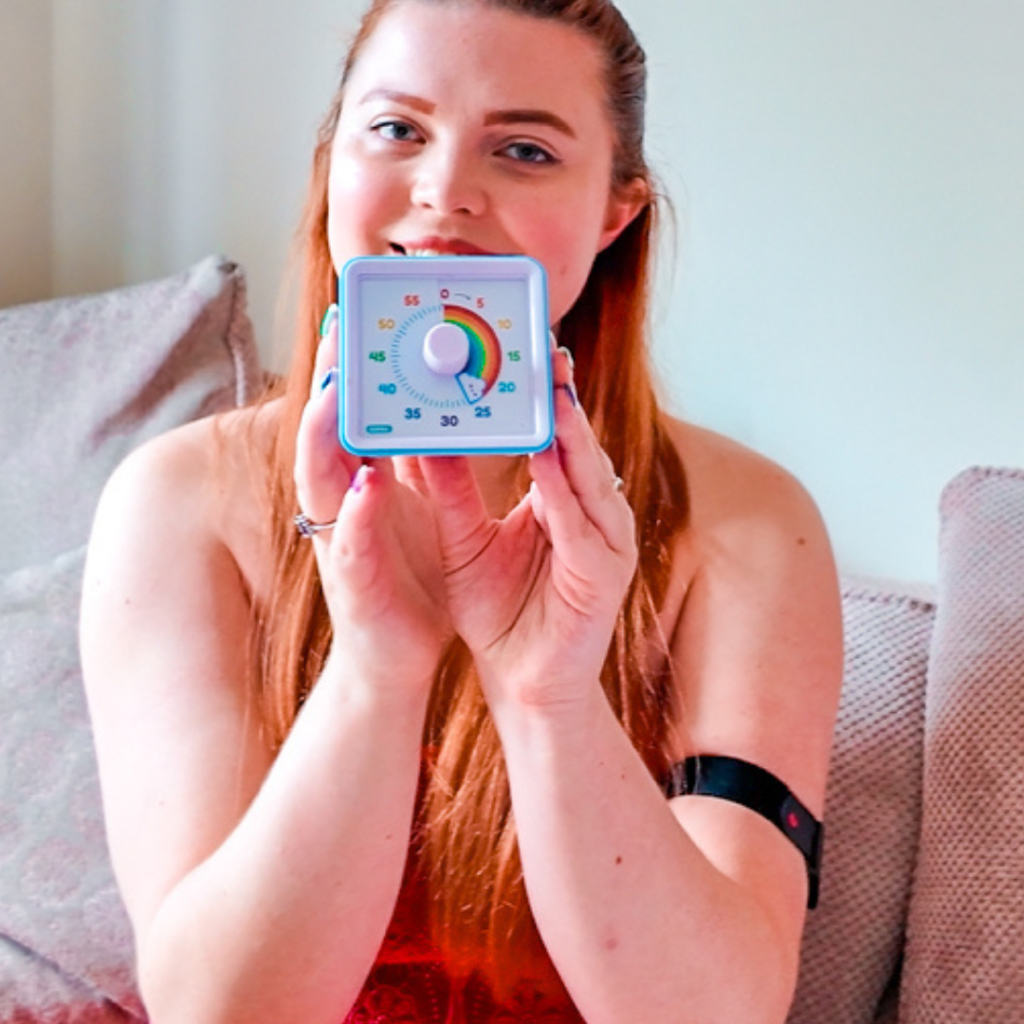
<point>455,708</point>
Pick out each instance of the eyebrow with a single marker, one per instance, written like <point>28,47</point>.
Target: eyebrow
<point>545,117</point>
<point>405,98</point>
<point>494,117</point>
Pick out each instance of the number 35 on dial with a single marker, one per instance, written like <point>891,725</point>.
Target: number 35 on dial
<point>444,355</point>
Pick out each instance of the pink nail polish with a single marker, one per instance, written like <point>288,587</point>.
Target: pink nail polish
<point>360,478</point>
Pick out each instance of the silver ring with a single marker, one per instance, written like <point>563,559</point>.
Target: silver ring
<point>306,526</point>
<point>618,483</point>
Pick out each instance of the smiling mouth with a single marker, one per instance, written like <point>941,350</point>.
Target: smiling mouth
<point>438,247</point>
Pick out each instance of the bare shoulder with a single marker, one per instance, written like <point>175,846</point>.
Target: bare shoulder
<point>738,493</point>
<point>200,484</point>
<point>759,634</point>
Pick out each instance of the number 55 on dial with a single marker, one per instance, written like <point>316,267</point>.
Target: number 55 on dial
<point>444,355</point>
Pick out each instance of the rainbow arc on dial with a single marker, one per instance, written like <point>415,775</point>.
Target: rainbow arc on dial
<point>484,348</point>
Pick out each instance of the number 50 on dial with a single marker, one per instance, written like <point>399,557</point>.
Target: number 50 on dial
<point>444,355</point>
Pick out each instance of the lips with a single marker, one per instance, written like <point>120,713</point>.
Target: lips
<point>434,246</point>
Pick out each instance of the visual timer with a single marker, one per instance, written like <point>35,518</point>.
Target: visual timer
<point>444,355</point>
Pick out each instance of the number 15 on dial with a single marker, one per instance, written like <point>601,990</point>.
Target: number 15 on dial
<point>444,355</point>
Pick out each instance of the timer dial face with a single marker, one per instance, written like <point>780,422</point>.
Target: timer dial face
<point>444,355</point>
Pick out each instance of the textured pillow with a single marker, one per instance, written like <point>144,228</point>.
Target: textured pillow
<point>965,949</point>
<point>85,379</point>
<point>33,991</point>
<point>65,935</point>
<point>853,940</point>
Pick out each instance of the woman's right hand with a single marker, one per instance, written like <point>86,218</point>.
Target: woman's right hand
<point>380,565</point>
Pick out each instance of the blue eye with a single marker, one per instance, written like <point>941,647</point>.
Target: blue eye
<point>396,131</point>
<point>529,152</point>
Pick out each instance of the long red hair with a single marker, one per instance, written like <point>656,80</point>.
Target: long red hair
<point>466,846</point>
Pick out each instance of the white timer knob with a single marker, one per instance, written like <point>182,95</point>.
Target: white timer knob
<point>446,349</point>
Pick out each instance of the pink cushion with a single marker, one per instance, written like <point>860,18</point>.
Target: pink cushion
<point>853,940</point>
<point>85,380</point>
<point>35,992</point>
<point>65,941</point>
<point>965,951</point>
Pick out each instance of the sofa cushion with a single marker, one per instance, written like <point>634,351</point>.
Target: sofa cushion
<point>65,933</point>
<point>34,991</point>
<point>853,940</point>
<point>85,379</point>
<point>965,957</point>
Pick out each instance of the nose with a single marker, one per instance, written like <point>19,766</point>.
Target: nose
<point>448,181</point>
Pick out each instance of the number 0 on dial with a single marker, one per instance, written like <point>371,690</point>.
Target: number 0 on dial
<point>444,355</point>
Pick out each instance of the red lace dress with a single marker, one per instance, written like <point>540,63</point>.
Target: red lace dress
<point>410,984</point>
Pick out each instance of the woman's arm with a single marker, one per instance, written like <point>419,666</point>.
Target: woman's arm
<point>690,911</point>
<point>258,888</point>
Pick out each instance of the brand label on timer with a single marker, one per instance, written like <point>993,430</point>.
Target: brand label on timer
<point>444,355</point>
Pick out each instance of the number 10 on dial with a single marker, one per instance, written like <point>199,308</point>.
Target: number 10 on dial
<point>444,355</point>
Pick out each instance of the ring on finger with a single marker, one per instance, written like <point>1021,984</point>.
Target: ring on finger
<point>307,528</point>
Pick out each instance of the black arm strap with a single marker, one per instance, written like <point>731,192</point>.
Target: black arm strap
<point>747,784</point>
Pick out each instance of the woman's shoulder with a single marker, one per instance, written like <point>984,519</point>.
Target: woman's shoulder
<point>203,482</point>
<point>213,456</point>
<point>755,556</point>
<point>738,494</point>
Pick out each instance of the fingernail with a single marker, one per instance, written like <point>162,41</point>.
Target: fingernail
<point>329,317</point>
<point>568,356</point>
<point>360,478</point>
<point>328,378</point>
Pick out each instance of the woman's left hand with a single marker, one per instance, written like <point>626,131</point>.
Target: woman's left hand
<point>535,595</point>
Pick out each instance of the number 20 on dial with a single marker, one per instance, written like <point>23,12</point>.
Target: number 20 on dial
<point>444,355</point>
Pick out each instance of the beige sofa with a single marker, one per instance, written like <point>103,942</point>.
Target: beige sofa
<point>83,381</point>
<point>922,912</point>
<point>922,904</point>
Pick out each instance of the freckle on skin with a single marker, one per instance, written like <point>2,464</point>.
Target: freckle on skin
<point>618,860</point>
<point>801,541</point>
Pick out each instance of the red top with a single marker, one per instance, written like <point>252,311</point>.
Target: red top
<point>410,984</point>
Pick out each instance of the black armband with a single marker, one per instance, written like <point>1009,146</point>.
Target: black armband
<point>744,783</point>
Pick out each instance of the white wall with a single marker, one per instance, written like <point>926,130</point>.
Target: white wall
<point>182,129</point>
<point>851,291</point>
<point>26,153</point>
<point>849,180</point>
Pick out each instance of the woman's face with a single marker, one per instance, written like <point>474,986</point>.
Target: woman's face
<point>466,129</point>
